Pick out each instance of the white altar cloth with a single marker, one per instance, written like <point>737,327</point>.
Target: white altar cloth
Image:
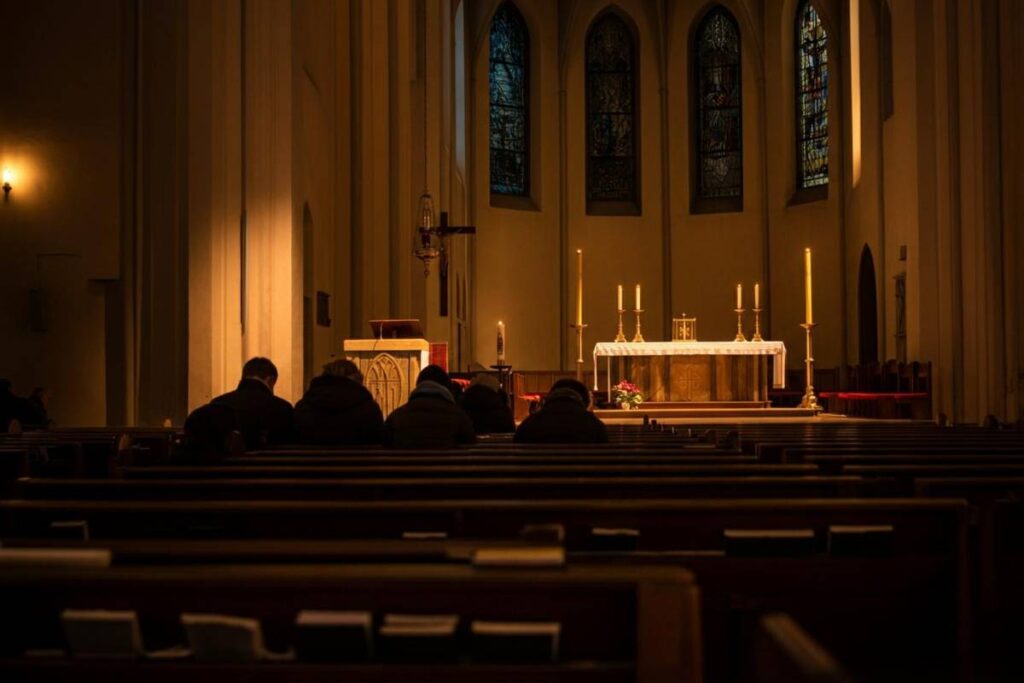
<point>690,348</point>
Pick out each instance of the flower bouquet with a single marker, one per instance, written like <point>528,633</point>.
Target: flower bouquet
<point>627,395</point>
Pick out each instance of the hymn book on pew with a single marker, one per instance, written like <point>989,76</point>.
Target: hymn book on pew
<point>223,638</point>
<point>516,641</point>
<point>324,636</point>
<point>417,638</point>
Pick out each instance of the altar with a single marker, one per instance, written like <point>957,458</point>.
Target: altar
<point>691,371</point>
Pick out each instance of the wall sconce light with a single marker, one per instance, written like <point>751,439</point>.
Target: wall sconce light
<point>8,177</point>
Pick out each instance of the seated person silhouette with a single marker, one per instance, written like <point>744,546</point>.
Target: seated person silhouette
<point>338,409</point>
<point>262,417</point>
<point>430,419</point>
<point>564,417</point>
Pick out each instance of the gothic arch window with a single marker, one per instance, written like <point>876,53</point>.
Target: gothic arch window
<point>510,100</point>
<point>612,177</point>
<point>811,98</point>
<point>719,111</point>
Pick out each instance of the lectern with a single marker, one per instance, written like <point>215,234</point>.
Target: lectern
<point>391,361</point>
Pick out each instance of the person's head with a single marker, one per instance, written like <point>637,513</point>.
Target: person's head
<point>486,381</point>
<point>579,387</point>
<point>434,373</point>
<point>343,368</point>
<point>262,369</point>
<point>41,394</point>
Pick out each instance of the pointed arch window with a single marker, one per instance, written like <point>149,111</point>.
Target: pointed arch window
<point>812,98</point>
<point>612,178</point>
<point>719,111</point>
<point>510,99</point>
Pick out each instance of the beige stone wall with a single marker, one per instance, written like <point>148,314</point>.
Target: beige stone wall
<point>323,122</point>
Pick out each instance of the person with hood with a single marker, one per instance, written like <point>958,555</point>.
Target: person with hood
<point>262,417</point>
<point>563,418</point>
<point>487,406</point>
<point>338,409</point>
<point>430,418</point>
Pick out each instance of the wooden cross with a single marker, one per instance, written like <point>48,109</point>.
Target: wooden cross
<point>444,231</point>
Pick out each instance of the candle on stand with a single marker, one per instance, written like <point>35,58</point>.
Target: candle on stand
<point>807,287</point>
<point>757,295</point>
<point>739,296</point>
<point>620,298</point>
<point>501,343</point>
<point>638,297</point>
<point>579,287</point>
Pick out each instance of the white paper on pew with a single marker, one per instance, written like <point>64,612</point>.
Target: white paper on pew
<point>55,557</point>
<point>540,556</point>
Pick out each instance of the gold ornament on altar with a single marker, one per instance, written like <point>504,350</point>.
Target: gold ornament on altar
<point>684,329</point>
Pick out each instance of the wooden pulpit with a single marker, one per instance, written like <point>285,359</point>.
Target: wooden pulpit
<point>391,361</point>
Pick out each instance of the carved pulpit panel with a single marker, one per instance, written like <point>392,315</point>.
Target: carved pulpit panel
<point>386,381</point>
<point>389,367</point>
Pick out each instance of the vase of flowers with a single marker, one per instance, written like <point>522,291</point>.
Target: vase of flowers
<point>627,395</point>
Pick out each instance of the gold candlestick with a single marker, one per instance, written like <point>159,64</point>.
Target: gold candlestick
<point>579,349</point>
<point>638,338</point>
<point>757,326</point>
<point>620,337</point>
<point>809,401</point>
<point>739,325</point>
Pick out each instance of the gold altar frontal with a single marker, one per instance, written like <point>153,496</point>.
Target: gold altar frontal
<point>688,372</point>
<point>700,379</point>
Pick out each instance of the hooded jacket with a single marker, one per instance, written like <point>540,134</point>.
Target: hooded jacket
<point>430,419</point>
<point>338,410</point>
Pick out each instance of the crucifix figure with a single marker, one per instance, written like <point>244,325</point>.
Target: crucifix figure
<point>443,231</point>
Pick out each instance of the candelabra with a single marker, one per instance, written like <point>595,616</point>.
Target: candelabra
<point>620,337</point>
<point>757,326</point>
<point>809,401</point>
<point>638,337</point>
<point>739,325</point>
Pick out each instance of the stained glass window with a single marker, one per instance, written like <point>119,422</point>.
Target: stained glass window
<point>510,96</point>
<point>812,97</point>
<point>719,107</point>
<point>611,107</point>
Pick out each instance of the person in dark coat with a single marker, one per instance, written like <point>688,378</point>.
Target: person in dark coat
<point>430,418</point>
<point>16,412</point>
<point>338,409</point>
<point>564,418</point>
<point>487,406</point>
<point>211,435</point>
<point>262,417</point>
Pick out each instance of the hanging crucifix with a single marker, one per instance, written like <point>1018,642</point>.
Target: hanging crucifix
<point>444,231</point>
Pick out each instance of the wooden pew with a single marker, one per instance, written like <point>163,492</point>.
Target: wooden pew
<point>783,651</point>
<point>462,488</point>
<point>902,611</point>
<point>285,471</point>
<point>618,623</point>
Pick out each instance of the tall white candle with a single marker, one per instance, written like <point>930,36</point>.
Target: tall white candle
<point>638,297</point>
<point>739,296</point>
<point>620,298</point>
<point>808,298</point>
<point>757,295</point>
<point>579,287</point>
<point>501,343</point>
